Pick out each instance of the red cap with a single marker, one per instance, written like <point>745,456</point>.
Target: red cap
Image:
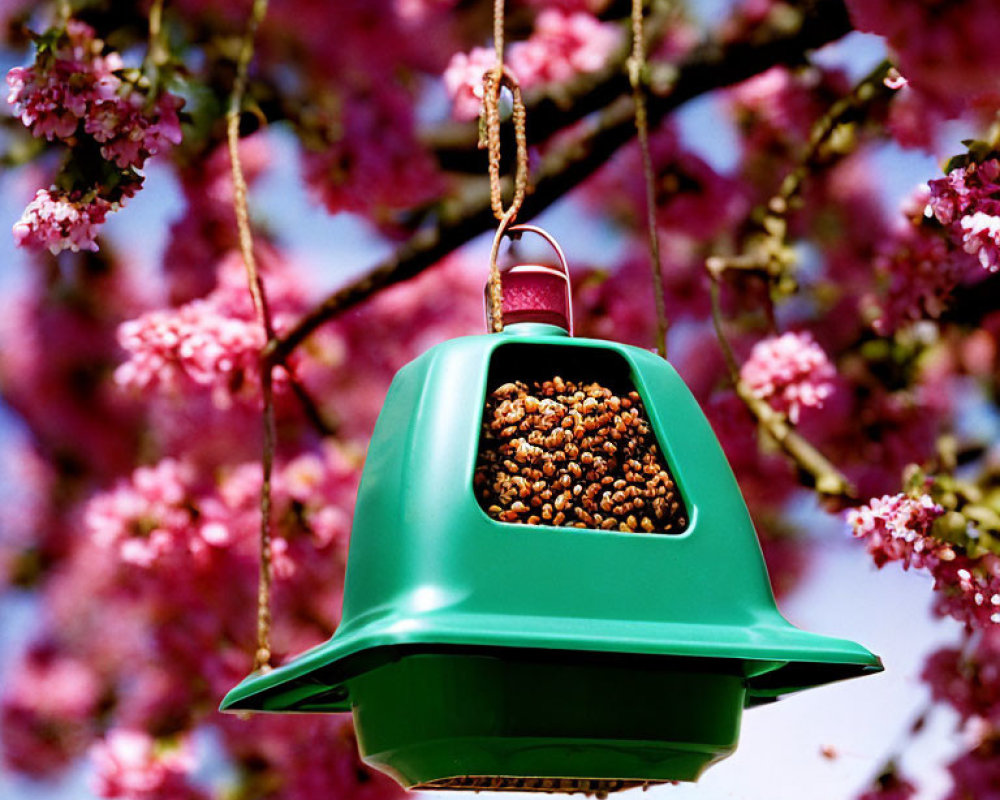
<point>536,292</point>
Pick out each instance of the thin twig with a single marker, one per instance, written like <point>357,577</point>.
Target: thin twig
<point>636,69</point>
<point>710,68</point>
<point>768,253</point>
<point>262,656</point>
<point>156,50</point>
<point>819,472</point>
<point>310,408</point>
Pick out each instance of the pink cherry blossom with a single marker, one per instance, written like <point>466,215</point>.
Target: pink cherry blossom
<point>59,221</point>
<point>981,237</point>
<point>790,371</point>
<point>131,765</point>
<point>563,44</point>
<point>59,90</point>
<point>968,589</point>
<point>47,710</point>
<point>897,528</point>
<point>944,48</point>
<point>968,678</point>
<point>967,203</point>
<point>146,517</point>
<point>212,342</point>
<point>922,270</point>
<point>976,774</point>
<point>139,537</point>
<point>72,82</point>
<point>965,190</point>
<point>130,132</point>
<point>370,160</point>
<point>463,80</point>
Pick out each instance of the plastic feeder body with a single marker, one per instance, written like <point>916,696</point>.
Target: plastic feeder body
<point>487,655</point>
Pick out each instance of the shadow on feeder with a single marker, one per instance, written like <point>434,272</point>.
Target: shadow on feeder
<point>479,654</point>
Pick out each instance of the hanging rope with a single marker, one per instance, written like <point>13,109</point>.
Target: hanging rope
<point>493,83</point>
<point>636,70</point>
<point>262,655</point>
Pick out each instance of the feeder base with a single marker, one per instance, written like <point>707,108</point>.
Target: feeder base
<point>558,722</point>
<point>503,783</point>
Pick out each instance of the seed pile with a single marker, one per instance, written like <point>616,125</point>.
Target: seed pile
<point>597,787</point>
<point>575,456</point>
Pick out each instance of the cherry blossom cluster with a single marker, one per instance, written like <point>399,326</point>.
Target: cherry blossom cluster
<point>74,90</point>
<point>369,161</point>
<point>149,515</point>
<point>132,765</point>
<point>169,509</point>
<point>791,372</point>
<point>898,528</point>
<point>969,679</point>
<point>563,44</point>
<point>968,589</point>
<point>68,80</point>
<point>780,105</point>
<point>58,220</point>
<point>147,575</point>
<point>212,342</point>
<point>48,710</point>
<point>946,49</point>
<point>195,342</point>
<point>967,203</point>
<point>131,128</point>
<point>922,270</point>
<point>72,81</point>
<point>977,773</point>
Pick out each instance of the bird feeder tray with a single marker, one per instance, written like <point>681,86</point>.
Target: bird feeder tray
<point>480,654</point>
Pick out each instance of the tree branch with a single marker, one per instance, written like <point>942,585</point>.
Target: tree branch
<point>711,67</point>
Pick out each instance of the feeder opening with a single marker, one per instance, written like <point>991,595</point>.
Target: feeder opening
<point>566,441</point>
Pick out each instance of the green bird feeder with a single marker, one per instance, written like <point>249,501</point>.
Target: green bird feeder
<point>476,653</point>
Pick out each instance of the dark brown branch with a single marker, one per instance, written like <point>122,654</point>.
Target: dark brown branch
<point>710,67</point>
<point>312,411</point>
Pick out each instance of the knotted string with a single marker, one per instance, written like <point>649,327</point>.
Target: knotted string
<point>636,70</point>
<point>494,81</point>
